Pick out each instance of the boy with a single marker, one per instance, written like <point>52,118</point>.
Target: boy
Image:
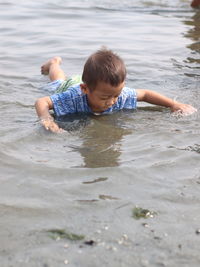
<point>101,90</point>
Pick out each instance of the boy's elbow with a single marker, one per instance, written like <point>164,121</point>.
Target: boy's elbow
<point>39,102</point>
<point>43,102</point>
<point>42,106</point>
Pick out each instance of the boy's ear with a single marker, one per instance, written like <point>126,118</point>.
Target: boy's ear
<point>84,88</point>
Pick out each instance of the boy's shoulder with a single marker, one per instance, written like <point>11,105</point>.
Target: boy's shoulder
<point>128,91</point>
<point>70,101</point>
<point>73,92</point>
<point>75,89</point>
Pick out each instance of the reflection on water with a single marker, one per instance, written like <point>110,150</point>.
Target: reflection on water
<point>102,138</point>
<point>194,35</point>
<point>102,143</point>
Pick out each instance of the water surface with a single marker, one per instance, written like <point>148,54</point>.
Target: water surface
<point>88,180</point>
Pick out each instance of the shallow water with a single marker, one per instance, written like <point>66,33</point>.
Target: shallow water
<point>88,180</point>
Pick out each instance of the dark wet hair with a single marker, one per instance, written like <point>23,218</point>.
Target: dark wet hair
<point>103,66</point>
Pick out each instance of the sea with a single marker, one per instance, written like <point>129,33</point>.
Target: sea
<point>119,190</point>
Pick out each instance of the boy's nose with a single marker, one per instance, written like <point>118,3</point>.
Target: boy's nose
<point>111,102</point>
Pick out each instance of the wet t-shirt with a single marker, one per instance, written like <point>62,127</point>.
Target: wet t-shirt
<point>75,101</point>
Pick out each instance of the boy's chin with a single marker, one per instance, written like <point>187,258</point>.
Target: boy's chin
<point>98,110</point>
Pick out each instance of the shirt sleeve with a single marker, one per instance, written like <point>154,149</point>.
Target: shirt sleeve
<point>128,98</point>
<point>63,103</point>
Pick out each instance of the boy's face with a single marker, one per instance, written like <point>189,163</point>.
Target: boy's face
<point>103,96</point>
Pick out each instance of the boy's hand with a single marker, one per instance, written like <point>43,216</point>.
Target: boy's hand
<point>184,109</point>
<point>50,125</point>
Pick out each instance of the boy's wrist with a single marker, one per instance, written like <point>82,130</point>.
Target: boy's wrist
<point>172,104</point>
<point>48,118</point>
<point>175,105</point>
<point>49,124</point>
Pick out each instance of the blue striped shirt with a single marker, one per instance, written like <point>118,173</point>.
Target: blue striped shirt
<point>75,101</point>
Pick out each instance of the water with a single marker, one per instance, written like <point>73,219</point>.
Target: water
<point>146,158</point>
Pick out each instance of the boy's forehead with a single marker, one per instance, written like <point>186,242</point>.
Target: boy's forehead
<point>108,89</point>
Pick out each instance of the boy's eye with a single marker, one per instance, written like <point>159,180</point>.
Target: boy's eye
<point>105,98</point>
<point>109,97</point>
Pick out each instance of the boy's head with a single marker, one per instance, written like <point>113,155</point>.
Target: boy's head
<point>103,79</point>
<point>103,66</point>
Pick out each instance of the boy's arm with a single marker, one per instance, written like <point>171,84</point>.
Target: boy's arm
<point>161,100</point>
<point>42,106</point>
